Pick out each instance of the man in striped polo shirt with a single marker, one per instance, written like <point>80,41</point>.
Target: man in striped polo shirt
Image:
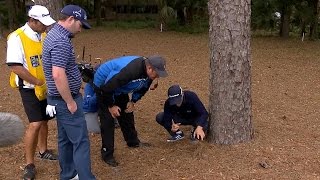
<point>64,80</point>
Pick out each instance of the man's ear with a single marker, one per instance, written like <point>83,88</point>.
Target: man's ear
<point>70,19</point>
<point>149,67</point>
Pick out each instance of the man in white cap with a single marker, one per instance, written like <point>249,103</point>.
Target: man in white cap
<point>24,57</point>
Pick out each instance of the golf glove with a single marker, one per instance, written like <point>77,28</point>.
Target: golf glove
<point>50,110</point>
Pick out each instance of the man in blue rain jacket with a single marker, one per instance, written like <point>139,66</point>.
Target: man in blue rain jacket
<point>113,82</point>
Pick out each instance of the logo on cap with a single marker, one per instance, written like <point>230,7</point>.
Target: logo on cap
<point>77,13</point>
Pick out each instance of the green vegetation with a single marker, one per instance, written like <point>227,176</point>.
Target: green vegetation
<point>130,24</point>
<point>199,27</point>
<point>268,17</point>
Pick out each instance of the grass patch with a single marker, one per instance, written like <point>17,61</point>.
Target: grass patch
<point>191,29</point>
<point>195,28</point>
<point>130,24</point>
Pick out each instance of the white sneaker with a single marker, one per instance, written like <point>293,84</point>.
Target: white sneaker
<point>75,178</point>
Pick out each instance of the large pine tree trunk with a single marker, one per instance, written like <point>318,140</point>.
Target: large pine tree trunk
<point>54,7</point>
<point>230,79</point>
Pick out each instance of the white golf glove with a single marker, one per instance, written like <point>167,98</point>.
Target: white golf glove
<point>50,110</point>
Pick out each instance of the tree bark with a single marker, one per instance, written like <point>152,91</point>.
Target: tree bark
<point>97,5</point>
<point>23,8</point>
<point>189,14</point>
<point>11,15</point>
<point>54,7</point>
<point>68,2</point>
<point>314,20</point>
<point>303,28</point>
<point>285,20</point>
<point>109,13</point>
<point>230,78</point>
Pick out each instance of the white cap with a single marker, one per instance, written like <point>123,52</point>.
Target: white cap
<point>42,14</point>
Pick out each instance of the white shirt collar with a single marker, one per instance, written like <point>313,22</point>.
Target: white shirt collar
<point>30,33</point>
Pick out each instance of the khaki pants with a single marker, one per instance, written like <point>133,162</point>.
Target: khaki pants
<point>93,124</point>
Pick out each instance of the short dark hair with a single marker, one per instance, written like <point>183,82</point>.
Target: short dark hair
<point>32,19</point>
<point>63,17</point>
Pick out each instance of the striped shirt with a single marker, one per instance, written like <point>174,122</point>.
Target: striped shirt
<point>58,51</point>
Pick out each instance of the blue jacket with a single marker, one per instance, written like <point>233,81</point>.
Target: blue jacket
<point>122,75</point>
<point>89,99</point>
<point>191,111</point>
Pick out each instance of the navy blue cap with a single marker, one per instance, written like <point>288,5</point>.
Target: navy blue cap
<point>175,94</point>
<point>78,13</point>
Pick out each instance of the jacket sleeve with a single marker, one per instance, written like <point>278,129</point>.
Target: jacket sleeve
<point>132,71</point>
<point>202,119</point>
<point>89,99</point>
<point>137,95</point>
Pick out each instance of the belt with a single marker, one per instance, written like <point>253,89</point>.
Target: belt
<point>74,96</point>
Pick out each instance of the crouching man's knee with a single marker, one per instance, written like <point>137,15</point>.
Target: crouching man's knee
<point>159,118</point>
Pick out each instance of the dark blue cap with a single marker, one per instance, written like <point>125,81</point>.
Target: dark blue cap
<point>175,94</point>
<point>78,13</point>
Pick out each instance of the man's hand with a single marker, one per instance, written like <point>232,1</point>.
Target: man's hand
<point>199,133</point>
<point>175,126</point>
<point>114,111</point>
<point>154,86</point>
<point>130,107</point>
<point>72,106</point>
<point>39,82</point>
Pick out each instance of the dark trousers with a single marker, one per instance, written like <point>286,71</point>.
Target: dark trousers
<point>126,122</point>
<point>176,119</point>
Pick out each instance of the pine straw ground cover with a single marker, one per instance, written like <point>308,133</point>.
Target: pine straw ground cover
<point>285,101</point>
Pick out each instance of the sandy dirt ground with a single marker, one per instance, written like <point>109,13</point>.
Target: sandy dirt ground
<point>285,103</point>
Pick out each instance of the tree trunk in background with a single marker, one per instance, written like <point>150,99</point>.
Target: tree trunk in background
<point>285,20</point>
<point>303,28</point>
<point>68,2</point>
<point>24,6</point>
<point>179,7</point>
<point>1,26</point>
<point>189,14</point>
<point>230,78</point>
<point>97,9</point>
<point>109,14</point>
<point>181,17</point>
<point>18,4</point>
<point>54,7</point>
<point>314,22</point>
<point>11,15</point>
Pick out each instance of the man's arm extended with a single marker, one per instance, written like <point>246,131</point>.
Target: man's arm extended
<point>24,74</point>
